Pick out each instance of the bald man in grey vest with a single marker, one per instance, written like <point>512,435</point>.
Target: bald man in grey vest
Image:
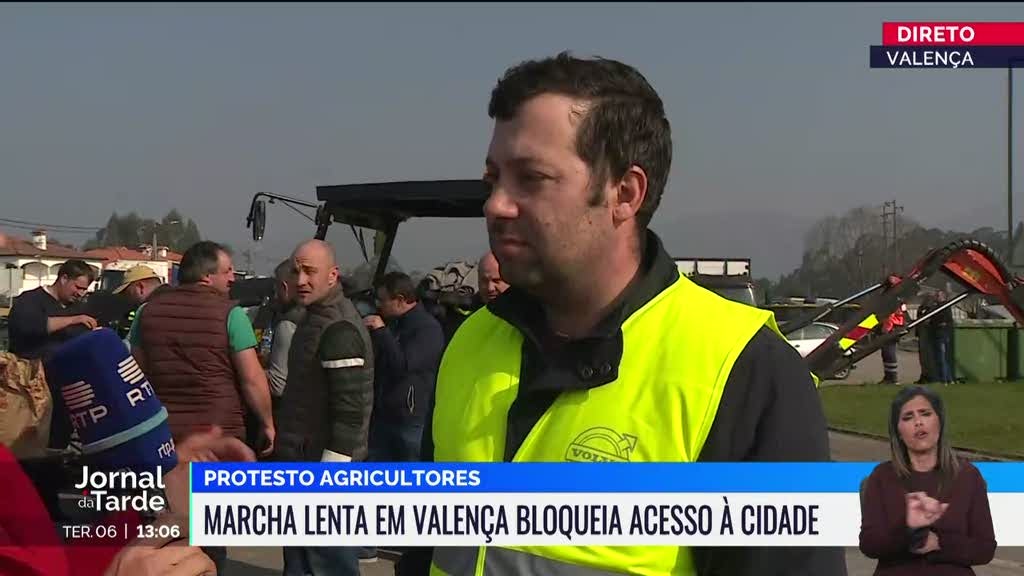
<point>324,413</point>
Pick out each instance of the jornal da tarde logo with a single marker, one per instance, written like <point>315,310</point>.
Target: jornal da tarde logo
<point>122,490</point>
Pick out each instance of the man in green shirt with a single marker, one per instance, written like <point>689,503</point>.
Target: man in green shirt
<point>198,349</point>
<point>241,336</point>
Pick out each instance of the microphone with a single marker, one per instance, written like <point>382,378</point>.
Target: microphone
<point>111,404</point>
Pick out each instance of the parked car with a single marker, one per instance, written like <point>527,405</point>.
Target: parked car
<point>806,339</point>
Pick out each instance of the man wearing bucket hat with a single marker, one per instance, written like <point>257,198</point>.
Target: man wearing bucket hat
<point>139,283</point>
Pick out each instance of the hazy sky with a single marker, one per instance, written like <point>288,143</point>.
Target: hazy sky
<point>777,119</point>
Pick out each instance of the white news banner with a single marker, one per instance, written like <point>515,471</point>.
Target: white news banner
<point>511,519</point>
<point>580,519</point>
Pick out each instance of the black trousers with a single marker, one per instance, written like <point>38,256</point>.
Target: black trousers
<point>889,364</point>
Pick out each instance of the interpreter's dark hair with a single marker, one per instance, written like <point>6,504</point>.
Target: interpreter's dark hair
<point>399,284</point>
<point>623,123</point>
<point>201,259</point>
<point>949,465</point>
<point>72,269</point>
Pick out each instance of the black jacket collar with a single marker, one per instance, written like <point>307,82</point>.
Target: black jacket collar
<point>412,317</point>
<point>594,359</point>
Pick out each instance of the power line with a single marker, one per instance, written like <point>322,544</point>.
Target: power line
<point>55,232</point>
<point>26,223</point>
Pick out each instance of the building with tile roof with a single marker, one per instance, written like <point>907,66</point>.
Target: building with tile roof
<point>29,264</point>
<point>121,258</point>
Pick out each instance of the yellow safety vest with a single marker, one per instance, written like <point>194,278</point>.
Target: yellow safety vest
<point>678,351</point>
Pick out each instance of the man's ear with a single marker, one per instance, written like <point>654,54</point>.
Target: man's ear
<point>629,194</point>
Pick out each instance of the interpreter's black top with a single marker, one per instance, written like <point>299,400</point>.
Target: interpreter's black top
<point>769,411</point>
<point>26,324</point>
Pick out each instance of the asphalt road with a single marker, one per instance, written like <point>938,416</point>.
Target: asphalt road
<point>869,370</point>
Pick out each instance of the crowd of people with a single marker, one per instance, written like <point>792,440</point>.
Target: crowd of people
<point>584,323</point>
<point>357,387</point>
<point>935,340</point>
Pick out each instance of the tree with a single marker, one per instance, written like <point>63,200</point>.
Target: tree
<point>132,231</point>
<point>845,254</point>
<point>841,252</point>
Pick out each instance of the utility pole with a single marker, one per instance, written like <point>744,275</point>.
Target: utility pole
<point>890,210</point>
<point>1009,166</point>
<point>860,266</point>
<point>156,225</point>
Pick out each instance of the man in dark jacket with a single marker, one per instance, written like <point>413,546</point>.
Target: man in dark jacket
<point>408,352</point>
<point>324,413</point>
<point>925,354</point>
<point>579,158</point>
<point>44,318</point>
<point>942,339</point>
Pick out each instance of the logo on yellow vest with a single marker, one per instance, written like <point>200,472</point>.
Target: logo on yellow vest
<point>601,445</point>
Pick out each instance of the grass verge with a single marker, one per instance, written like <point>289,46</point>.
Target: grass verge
<point>980,416</point>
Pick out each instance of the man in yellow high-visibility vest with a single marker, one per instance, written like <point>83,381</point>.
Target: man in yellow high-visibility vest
<point>600,351</point>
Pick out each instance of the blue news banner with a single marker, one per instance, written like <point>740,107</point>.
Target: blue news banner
<point>503,504</point>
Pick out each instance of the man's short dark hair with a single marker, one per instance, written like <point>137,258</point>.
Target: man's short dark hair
<point>201,259</point>
<point>624,124</point>
<point>75,268</point>
<point>283,270</point>
<point>399,284</point>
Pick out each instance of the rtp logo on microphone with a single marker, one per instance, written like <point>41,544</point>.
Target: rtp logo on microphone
<point>129,371</point>
<point>80,400</point>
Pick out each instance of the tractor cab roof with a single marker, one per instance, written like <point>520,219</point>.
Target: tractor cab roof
<point>380,205</point>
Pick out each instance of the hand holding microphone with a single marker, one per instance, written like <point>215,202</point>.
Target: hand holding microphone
<point>87,321</point>
<point>164,556</point>
<point>123,425</point>
<point>111,404</point>
<point>208,446</point>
